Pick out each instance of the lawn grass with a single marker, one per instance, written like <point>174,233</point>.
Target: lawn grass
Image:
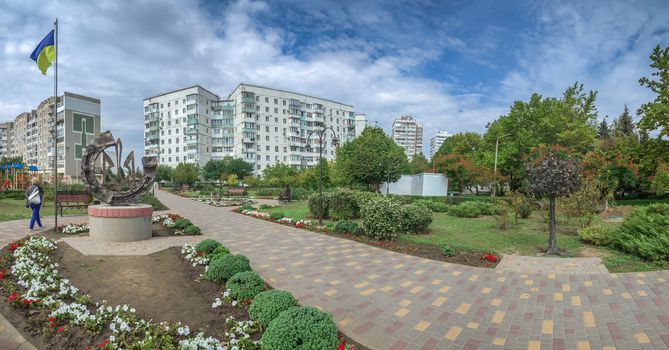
<point>15,209</point>
<point>529,237</point>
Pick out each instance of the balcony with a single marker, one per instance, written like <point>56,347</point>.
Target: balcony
<point>248,140</point>
<point>191,141</point>
<point>248,100</point>
<point>191,131</point>
<point>249,130</point>
<point>192,121</point>
<point>248,109</point>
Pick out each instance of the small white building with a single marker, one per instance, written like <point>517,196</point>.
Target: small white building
<point>425,184</point>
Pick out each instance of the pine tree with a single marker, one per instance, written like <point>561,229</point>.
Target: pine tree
<point>624,125</point>
<point>603,130</point>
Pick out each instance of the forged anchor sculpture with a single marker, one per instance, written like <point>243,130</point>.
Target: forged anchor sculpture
<point>121,218</point>
<point>111,193</point>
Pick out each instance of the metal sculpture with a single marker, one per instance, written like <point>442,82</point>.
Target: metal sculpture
<point>122,187</point>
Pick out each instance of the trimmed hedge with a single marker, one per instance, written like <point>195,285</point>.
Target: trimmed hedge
<point>182,224</point>
<point>343,206</point>
<point>381,218</point>
<point>596,235</point>
<point>207,246</point>
<point>415,218</point>
<point>314,205</point>
<point>346,226</point>
<point>645,232</point>
<point>304,328</point>
<point>245,285</point>
<point>193,230</point>
<point>267,305</point>
<point>223,268</point>
<point>465,210</point>
<point>276,215</point>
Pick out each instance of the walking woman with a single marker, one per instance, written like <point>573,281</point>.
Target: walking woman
<point>34,195</point>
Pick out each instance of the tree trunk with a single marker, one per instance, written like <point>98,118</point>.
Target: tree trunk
<point>552,238</point>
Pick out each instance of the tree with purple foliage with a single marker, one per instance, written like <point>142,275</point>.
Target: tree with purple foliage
<point>552,174</point>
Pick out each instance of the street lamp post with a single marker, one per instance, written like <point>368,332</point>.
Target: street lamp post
<point>494,188</point>
<point>335,141</point>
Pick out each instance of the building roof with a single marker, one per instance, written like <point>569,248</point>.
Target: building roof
<point>186,88</point>
<point>287,91</point>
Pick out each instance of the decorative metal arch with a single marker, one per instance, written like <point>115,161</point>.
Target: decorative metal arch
<point>140,188</point>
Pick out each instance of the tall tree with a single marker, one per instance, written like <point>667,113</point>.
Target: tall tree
<point>281,175</point>
<point>624,125</point>
<point>311,179</point>
<point>418,164</point>
<point>655,115</point>
<point>186,174</point>
<point>552,174</point>
<point>603,130</point>
<point>370,159</point>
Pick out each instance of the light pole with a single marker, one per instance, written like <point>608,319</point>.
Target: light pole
<point>494,187</point>
<point>335,141</point>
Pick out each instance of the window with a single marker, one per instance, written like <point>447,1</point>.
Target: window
<point>169,159</point>
<point>162,142</point>
<point>285,149</point>
<point>284,120</point>
<point>177,149</point>
<point>266,109</point>
<point>276,111</point>
<point>267,158</point>
<point>276,120</point>
<point>176,111</point>
<point>176,131</point>
<point>276,148</point>
<point>168,104</point>
<point>176,103</point>
<point>276,129</point>
<point>267,129</point>
<point>169,132</point>
<point>267,118</point>
<point>284,102</point>
<point>276,101</point>
<point>267,138</point>
<point>266,99</point>
<point>267,148</point>
<point>161,105</point>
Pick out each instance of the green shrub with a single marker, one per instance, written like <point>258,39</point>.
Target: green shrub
<point>465,210</point>
<point>13,194</point>
<point>193,230</point>
<point>277,215</point>
<point>314,205</point>
<point>154,202</point>
<point>223,268</point>
<point>455,200</point>
<point>343,206</point>
<point>267,305</point>
<point>645,232</point>
<point>436,206</point>
<point>268,192</point>
<point>219,252</point>
<point>525,210</point>
<point>381,218</point>
<point>415,218</point>
<point>304,328</point>
<point>363,198</point>
<point>487,208</point>
<point>265,206</point>
<point>245,207</point>
<point>182,224</point>
<point>448,251</point>
<point>245,285</point>
<point>596,235</point>
<point>207,246</point>
<point>346,226</point>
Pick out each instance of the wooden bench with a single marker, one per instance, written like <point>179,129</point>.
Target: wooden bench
<point>236,191</point>
<point>72,201</point>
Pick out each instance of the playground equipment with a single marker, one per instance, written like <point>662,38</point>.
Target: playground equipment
<point>15,176</point>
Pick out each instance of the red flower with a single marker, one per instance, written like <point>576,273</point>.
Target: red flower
<point>12,297</point>
<point>489,257</point>
<point>60,329</point>
<point>28,302</point>
<point>13,246</point>
<point>2,274</point>
<point>104,342</point>
<point>342,346</point>
<point>199,253</point>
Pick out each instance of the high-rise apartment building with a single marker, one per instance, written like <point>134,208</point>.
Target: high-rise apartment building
<point>262,125</point>
<point>408,134</point>
<point>5,138</point>
<point>77,123</point>
<point>437,140</point>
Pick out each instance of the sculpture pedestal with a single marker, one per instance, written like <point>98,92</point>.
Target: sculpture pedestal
<point>120,223</point>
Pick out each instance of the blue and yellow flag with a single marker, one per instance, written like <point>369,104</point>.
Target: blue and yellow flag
<point>45,52</point>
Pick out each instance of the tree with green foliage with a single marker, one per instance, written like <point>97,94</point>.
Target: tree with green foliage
<point>552,174</point>
<point>220,170</point>
<point>281,175</point>
<point>310,178</point>
<point>186,174</point>
<point>164,173</point>
<point>603,130</point>
<point>418,164</point>
<point>655,115</point>
<point>624,125</point>
<point>569,121</point>
<point>370,159</point>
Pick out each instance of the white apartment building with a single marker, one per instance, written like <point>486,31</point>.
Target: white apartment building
<point>408,134</point>
<point>436,141</point>
<point>77,123</point>
<point>5,137</point>
<point>262,125</point>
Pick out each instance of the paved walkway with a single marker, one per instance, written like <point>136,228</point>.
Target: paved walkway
<point>546,265</point>
<point>386,300</point>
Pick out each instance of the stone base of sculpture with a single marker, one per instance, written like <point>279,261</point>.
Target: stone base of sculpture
<point>120,223</point>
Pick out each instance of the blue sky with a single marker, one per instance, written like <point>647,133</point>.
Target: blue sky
<point>454,65</point>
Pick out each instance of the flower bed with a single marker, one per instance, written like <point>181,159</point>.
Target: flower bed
<point>177,225</point>
<point>72,229</point>
<point>225,202</point>
<point>300,223</point>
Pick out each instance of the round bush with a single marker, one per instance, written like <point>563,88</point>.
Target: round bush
<point>314,205</point>
<point>415,218</point>
<point>245,207</point>
<point>381,218</point>
<point>277,215</point>
<point>644,232</point>
<point>267,305</point>
<point>363,198</point>
<point>182,224</point>
<point>525,210</point>
<point>193,230</point>
<point>245,285</point>
<point>220,251</point>
<point>465,210</point>
<point>346,226</point>
<point>265,206</point>
<point>448,251</point>
<point>596,235</point>
<point>343,206</point>
<point>304,328</point>
<point>223,268</point>
<point>207,246</point>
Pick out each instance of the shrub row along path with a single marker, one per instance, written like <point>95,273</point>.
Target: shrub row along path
<point>387,300</point>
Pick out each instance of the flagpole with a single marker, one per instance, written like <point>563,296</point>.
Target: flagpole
<point>55,127</point>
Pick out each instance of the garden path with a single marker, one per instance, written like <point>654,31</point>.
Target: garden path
<point>386,300</point>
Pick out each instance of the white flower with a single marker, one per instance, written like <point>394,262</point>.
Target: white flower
<point>183,331</point>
